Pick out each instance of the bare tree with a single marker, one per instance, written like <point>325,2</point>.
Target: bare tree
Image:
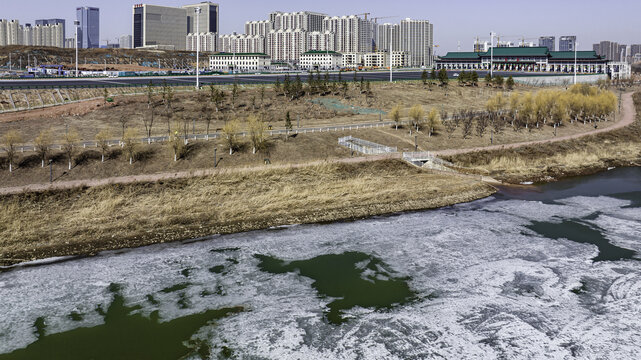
<point>231,132</point>
<point>468,122</point>
<point>395,114</point>
<point>257,133</point>
<point>481,124</point>
<point>70,145</point>
<point>130,144</point>
<point>148,122</point>
<point>177,143</point>
<point>43,145</point>
<point>102,140</point>
<point>123,120</point>
<point>11,140</point>
<point>417,113</point>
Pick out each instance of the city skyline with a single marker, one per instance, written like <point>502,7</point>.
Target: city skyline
<point>116,19</point>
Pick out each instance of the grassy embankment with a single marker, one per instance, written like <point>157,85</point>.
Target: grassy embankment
<point>548,162</point>
<point>88,220</point>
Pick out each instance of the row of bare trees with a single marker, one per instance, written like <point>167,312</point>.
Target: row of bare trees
<point>530,110</point>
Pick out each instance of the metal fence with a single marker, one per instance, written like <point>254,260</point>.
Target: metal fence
<point>364,146</point>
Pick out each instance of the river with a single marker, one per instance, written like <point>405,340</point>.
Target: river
<point>543,271</point>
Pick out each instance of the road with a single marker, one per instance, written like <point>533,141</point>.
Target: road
<point>218,79</point>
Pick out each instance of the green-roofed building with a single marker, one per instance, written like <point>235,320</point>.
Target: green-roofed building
<point>525,59</point>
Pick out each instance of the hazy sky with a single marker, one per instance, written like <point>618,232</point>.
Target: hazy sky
<point>454,21</point>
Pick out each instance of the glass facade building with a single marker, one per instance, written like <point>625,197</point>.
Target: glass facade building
<point>89,29</point>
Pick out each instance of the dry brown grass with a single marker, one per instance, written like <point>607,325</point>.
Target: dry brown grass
<point>78,221</point>
<point>90,121</point>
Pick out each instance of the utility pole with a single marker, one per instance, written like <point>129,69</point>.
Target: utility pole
<point>198,10</point>
<point>76,23</point>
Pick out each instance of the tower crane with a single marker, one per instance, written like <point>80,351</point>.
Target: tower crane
<point>382,17</point>
<point>364,14</point>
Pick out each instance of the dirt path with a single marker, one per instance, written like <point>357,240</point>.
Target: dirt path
<point>178,175</point>
<point>628,111</point>
<point>629,115</point>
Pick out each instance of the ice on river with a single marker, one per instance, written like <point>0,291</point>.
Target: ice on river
<point>487,287</point>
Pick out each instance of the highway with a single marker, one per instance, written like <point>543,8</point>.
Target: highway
<point>216,79</point>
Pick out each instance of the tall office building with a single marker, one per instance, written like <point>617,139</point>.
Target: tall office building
<point>548,41</point>
<point>89,29</point>
<point>159,26</point>
<point>417,39</point>
<point>53,22</point>
<point>125,42</point>
<point>567,43</point>
<point>385,33</point>
<point>635,49</point>
<point>209,18</point>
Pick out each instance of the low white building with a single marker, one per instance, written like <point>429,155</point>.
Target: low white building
<point>381,59</point>
<point>321,60</point>
<point>352,60</point>
<point>240,62</point>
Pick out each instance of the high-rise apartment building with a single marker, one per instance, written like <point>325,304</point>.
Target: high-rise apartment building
<point>320,41</point>
<point>53,22</point>
<point>635,49</point>
<point>352,33</point>
<point>89,28</point>
<point>567,43</point>
<point>387,37</point>
<point>417,39</point>
<point>46,35</point>
<point>209,18</point>
<point>303,20</point>
<point>548,41</point>
<point>208,42</point>
<point>610,50</point>
<point>286,45</point>
<point>11,33</point>
<point>261,28</point>
<point>125,42</point>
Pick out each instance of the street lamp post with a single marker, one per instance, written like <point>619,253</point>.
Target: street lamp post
<point>198,11</point>
<point>391,32</point>
<point>575,70</point>
<point>76,23</point>
<point>492,54</point>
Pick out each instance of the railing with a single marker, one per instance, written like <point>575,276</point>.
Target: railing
<point>364,146</point>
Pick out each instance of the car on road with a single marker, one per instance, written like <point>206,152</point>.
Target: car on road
<point>455,75</point>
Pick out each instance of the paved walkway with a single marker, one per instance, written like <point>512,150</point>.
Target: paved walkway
<point>628,111</point>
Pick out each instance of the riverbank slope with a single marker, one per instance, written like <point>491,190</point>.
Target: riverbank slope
<point>85,220</point>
